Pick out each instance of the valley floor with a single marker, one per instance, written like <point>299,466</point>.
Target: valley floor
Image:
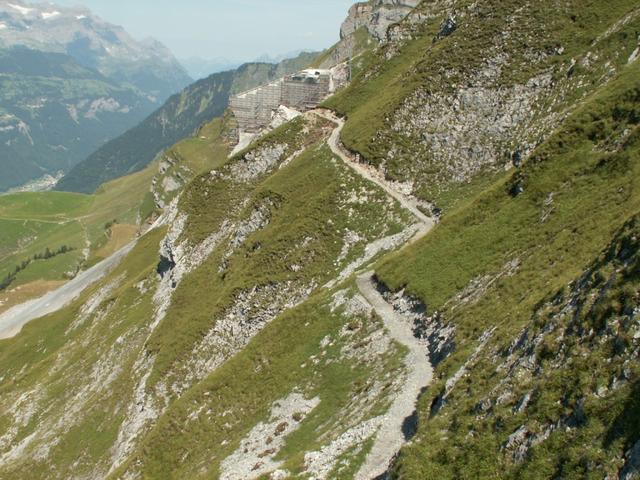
<point>12,321</point>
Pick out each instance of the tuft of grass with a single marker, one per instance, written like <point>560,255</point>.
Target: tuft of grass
<point>580,187</point>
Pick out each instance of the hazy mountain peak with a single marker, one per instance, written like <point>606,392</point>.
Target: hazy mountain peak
<point>71,81</point>
<point>92,42</point>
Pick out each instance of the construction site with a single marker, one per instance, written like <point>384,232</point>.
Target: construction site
<point>301,91</point>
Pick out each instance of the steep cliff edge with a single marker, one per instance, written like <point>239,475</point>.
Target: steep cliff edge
<point>365,27</point>
<point>376,16</point>
<point>462,91</point>
<point>543,297</point>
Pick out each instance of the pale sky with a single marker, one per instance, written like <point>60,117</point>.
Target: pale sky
<point>236,29</point>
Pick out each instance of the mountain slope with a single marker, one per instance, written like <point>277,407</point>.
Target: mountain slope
<point>505,83</point>
<point>253,257</point>
<point>70,82</point>
<point>543,298</point>
<point>90,228</point>
<point>198,67</point>
<point>54,112</point>
<point>93,43</point>
<point>180,117</point>
<point>245,337</point>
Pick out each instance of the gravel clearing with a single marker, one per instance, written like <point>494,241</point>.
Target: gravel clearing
<point>255,455</point>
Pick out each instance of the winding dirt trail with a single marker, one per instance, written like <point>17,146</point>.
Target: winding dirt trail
<point>391,437</point>
<point>372,174</point>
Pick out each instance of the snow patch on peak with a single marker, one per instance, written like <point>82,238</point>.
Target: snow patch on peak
<point>21,9</point>
<point>48,15</point>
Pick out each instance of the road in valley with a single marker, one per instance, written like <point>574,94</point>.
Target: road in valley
<point>12,321</point>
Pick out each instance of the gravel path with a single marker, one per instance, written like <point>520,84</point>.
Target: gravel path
<point>390,437</point>
<point>373,175</point>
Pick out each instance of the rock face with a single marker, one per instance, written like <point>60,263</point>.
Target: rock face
<point>376,16</point>
<point>488,122</point>
<point>465,119</point>
<point>631,469</point>
<point>359,16</point>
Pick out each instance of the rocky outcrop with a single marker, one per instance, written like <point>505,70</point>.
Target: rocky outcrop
<point>257,162</point>
<point>446,28</point>
<point>631,468</point>
<point>376,16</point>
<point>488,123</point>
<point>256,455</point>
<point>249,313</point>
<point>432,329</point>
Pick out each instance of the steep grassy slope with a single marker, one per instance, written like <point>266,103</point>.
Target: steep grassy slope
<point>178,118</point>
<point>255,232</point>
<point>91,227</point>
<point>206,150</point>
<point>95,226</point>
<point>543,294</point>
<point>504,73</point>
<point>233,342</point>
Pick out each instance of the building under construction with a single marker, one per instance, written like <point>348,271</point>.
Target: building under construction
<point>301,91</point>
<point>305,90</point>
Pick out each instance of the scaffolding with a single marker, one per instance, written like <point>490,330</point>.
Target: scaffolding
<point>305,92</point>
<point>302,91</point>
<point>253,109</point>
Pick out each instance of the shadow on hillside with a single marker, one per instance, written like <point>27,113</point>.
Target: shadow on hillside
<point>627,424</point>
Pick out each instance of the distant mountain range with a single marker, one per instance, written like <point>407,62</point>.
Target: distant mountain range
<point>93,43</point>
<point>267,58</point>
<point>178,118</point>
<point>69,82</point>
<point>54,112</point>
<point>198,67</point>
<point>434,276</point>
